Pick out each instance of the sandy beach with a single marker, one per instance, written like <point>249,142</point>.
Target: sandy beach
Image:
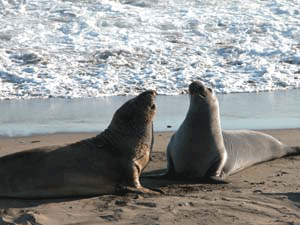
<point>267,193</point>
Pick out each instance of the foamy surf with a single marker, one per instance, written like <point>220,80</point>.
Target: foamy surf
<point>80,49</point>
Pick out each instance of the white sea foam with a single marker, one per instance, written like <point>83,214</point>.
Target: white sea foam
<point>91,48</point>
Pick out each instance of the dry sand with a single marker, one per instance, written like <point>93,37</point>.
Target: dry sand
<point>268,193</point>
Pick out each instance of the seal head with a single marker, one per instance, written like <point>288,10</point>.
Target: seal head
<point>137,112</point>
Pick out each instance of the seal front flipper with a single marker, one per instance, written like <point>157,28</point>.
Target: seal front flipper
<point>160,174</point>
<point>139,191</point>
<point>126,186</point>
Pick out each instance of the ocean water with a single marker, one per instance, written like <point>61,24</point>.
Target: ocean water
<point>264,110</point>
<point>95,48</point>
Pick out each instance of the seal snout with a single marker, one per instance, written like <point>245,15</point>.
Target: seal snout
<point>197,88</point>
<point>153,93</point>
<point>149,97</point>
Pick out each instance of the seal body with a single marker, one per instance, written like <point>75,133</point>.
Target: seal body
<point>110,162</point>
<point>200,149</point>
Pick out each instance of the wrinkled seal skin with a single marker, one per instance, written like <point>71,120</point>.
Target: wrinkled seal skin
<point>199,149</point>
<point>110,162</point>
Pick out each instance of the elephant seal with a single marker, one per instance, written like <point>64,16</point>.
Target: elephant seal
<point>105,164</point>
<point>200,149</point>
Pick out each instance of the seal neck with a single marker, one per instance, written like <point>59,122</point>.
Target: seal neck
<point>204,115</point>
<point>127,140</point>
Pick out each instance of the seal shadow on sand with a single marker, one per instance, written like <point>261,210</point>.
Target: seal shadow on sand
<point>165,181</point>
<point>16,202</point>
<point>292,196</point>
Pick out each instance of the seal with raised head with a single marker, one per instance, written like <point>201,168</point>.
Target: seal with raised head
<point>107,163</point>
<point>200,149</point>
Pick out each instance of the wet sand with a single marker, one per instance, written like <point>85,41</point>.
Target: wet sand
<point>268,193</point>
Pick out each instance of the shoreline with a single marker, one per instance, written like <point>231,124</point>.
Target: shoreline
<point>276,110</point>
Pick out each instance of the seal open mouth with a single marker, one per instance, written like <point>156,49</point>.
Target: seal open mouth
<point>197,88</point>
